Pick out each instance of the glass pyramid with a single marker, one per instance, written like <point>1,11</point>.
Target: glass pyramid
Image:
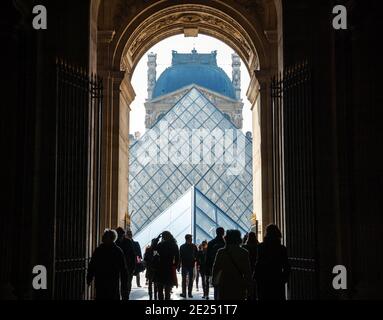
<point>193,214</point>
<point>193,144</point>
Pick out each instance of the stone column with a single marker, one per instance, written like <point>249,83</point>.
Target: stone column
<point>118,95</point>
<point>127,96</point>
<point>122,95</point>
<point>104,38</point>
<point>260,90</point>
<point>253,96</point>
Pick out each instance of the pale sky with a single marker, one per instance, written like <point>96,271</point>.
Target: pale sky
<point>203,44</point>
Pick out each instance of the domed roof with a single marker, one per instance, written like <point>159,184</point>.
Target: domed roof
<point>194,68</point>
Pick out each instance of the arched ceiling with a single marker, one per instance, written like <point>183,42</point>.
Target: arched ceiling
<point>244,25</point>
<point>175,20</point>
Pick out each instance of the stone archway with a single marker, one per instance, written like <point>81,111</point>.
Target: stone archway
<point>126,30</point>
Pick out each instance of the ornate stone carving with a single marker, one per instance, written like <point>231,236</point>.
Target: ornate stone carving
<point>190,16</point>
<point>144,35</point>
<point>221,24</point>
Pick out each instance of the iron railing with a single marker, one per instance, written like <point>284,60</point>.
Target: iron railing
<point>293,175</point>
<point>77,178</point>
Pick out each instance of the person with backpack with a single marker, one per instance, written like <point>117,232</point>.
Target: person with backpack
<point>231,270</point>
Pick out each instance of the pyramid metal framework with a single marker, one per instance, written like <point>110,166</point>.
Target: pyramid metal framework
<point>157,179</point>
<point>193,214</point>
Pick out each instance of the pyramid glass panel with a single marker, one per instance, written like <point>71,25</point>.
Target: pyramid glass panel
<point>192,213</point>
<point>192,145</point>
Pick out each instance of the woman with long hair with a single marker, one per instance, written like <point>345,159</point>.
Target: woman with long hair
<point>169,257</point>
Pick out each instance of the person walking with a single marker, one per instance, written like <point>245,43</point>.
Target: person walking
<point>252,247</point>
<point>126,245</point>
<point>169,257</point>
<point>197,274</point>
<point>188,256</point>
<point>231,270</point>
<point>137,250</point>
<point>272,268</point>
<point>212,248</point>
<point>108,268</point>
<point>151,261</point>
<point>201,265</point>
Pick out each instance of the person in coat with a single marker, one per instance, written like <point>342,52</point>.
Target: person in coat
<point>188,257</point>
<point>252,247</point>
<point>108,268</point>
<point>212,248</point>
<point>169,257</point>
<point>231,269</point>
<point>126,245</point>
<point>201,265</point>
<point>138,253</point>
<point>272,269</point>
<point>151,261</point>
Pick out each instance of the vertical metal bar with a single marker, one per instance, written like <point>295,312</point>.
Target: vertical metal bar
<point>78,166</point>
<point>293,129</point>
<point>89,207</point>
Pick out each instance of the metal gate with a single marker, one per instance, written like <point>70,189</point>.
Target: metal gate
<point>293,175</point>
<point>77,178</point>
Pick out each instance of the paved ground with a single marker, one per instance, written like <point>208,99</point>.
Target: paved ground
<point>142,293</point>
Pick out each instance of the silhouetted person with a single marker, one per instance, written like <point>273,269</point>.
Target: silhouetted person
<point>196,269</point>
<point>151,260</point>
<point>169,256</point>
<point>188,256</point>
<point>201,265</point>
<point>108,267</point>
<point>197,276</point>
<point>246,236</point>
<point>137,251</point>
<point>272,268</point>
<point>231,269</point>
<point>212,248</point>
<point>252,247</point>
<point>126,246</point>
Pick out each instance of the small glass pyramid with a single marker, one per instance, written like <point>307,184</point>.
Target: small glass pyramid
<point>193,214</point>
